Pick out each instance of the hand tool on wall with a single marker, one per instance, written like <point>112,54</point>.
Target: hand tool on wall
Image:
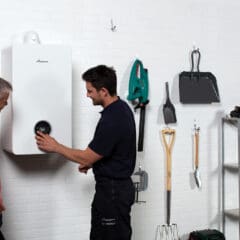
<point>138,94</point>
<point>141,183</point>
<point>168,108</point>
<point>170,133</point>
<point>168,231</point>
<point>197,87</point>
<point>196,157</point>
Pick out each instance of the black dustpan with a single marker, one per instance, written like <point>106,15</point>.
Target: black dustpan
<point>168,109</point>
<point>197,87</point>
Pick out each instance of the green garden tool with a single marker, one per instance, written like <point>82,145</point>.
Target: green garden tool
<point>138,94</point>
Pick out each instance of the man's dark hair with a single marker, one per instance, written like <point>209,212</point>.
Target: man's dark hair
<point>102,76</point>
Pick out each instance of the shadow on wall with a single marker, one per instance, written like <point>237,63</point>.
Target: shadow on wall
<point>37,163</point>
<point>124,82</point>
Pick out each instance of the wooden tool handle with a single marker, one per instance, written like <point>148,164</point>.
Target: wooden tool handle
<point>171,133</point>
<point>196,136</point>
<point>169,172</point>
<point>168,149</point>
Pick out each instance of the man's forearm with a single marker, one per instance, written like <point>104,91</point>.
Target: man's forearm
<point>74,155</point>
<point>84,157</point>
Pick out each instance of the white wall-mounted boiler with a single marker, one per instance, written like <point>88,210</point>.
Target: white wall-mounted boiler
<point>41,77</point>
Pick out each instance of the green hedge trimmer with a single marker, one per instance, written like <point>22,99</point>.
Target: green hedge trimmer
<point>138,94</point>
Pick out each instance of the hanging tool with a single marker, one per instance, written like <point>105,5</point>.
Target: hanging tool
<point>138,94</point>
<point>143,182</point>
<point>165,232</point>
<point>197,87</point>
<point>168,148</point>
<point>168,231</point>
<point>168,109</point>
<point>137,187</point>
<point>196,157</point>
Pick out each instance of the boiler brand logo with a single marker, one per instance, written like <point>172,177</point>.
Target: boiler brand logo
<point>41,61</point>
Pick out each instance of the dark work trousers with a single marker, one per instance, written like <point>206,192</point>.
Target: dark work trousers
<point>111,209</point>
<point>1,235</point>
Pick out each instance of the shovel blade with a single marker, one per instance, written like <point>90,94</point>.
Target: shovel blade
<point>169,114</point>
<point>168,109</point>
<point>197,178</point>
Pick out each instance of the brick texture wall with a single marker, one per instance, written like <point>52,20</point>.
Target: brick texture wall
<point>46,197</point>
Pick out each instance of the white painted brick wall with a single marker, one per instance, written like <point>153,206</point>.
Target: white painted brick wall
<point>46,197</point>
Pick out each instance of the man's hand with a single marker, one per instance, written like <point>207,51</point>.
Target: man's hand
<point>83,168</point>
<point>46,143</point>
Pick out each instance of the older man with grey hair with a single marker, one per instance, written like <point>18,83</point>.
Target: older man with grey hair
<point>5,90</point>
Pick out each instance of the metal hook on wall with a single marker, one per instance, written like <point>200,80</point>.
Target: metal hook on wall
<point>113,27</point>
<point>195,48</point>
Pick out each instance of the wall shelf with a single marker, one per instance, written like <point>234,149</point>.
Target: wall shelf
<point>232,213</point>
<point>232,168</point>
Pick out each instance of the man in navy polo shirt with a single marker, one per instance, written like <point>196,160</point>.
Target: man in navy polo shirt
<point>111,154</point>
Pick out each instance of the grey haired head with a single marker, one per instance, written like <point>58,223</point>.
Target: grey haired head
<point>5,86</point>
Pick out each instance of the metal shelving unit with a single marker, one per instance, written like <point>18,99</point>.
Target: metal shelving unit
<point>233,168</point>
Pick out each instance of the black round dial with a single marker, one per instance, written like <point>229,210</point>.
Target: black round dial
<point>42,126</point>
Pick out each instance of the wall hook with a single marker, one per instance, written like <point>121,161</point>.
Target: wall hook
<point>195,48</point>
<point>196,127</point>
<point>113,27</point>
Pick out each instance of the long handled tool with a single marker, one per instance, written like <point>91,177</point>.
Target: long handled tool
<point>168,231</point>
<point>196,157</point>
<point>138,94</point>
<point>168,148</point>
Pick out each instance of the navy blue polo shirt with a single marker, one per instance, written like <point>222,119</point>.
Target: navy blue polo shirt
<point>115,140</point>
